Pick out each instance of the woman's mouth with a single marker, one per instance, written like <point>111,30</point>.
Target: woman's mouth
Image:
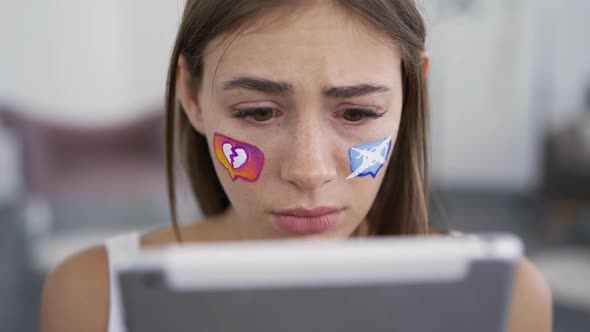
<point>306,221</point>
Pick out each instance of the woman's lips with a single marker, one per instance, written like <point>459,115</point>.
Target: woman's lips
<point>306,221</point>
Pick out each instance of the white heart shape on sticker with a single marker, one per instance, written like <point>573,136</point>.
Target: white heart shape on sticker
<point>227,151</point>
<point>240,159</point>
<point>236,157</point>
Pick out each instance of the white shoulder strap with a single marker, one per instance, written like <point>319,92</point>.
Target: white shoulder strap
<point>118,247</point>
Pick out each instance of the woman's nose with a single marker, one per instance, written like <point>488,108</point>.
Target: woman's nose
<point>310,161</point>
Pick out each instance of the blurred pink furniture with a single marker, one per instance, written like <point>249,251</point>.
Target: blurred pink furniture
<point>108,162</point>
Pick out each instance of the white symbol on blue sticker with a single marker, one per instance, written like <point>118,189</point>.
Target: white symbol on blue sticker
<point>368,158</point>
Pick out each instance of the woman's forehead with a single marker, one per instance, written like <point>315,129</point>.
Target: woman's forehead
<point>323,46</point>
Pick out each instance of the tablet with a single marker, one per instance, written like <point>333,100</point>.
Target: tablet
<point>459,284</point>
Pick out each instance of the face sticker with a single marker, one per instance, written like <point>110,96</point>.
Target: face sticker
<point>242,160</point>
<point>368,158</point>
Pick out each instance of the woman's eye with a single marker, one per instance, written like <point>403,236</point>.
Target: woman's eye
<point>359,114</point>
<point>257,114</point>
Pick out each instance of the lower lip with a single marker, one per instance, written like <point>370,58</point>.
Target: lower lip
<point>306,225</point>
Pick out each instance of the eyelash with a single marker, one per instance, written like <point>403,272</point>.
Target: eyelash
<point>366,113</point>
<point>247,113</point>
<point>251,112</point>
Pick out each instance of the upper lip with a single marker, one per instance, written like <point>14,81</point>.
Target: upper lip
<point>301,212</point>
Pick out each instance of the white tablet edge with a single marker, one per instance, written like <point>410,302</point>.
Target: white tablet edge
<point>268,264</point>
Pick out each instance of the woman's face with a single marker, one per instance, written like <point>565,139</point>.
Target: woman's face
<point>302,87</point>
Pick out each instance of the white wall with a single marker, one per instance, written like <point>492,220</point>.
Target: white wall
<point>571,53</point>
<point>82,61</point>
<point>502,72</point>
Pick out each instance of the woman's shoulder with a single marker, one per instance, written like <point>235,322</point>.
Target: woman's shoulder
<point>531,308</point>
<point>76,293</point>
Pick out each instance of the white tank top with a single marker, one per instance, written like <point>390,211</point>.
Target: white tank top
<point>117,247</point>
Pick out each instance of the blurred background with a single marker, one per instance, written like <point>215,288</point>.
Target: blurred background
<point>81,152</point>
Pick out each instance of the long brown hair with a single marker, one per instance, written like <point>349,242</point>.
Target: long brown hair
<point>401,204</point>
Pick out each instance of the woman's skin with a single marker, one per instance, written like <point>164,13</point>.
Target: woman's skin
<point>305,140</point>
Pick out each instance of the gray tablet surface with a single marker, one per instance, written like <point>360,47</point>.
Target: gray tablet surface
<point>384,284</point>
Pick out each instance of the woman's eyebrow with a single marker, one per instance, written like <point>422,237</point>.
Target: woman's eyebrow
<point>355,90</point>
<point>286,89</point>
<point>260,85</point>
